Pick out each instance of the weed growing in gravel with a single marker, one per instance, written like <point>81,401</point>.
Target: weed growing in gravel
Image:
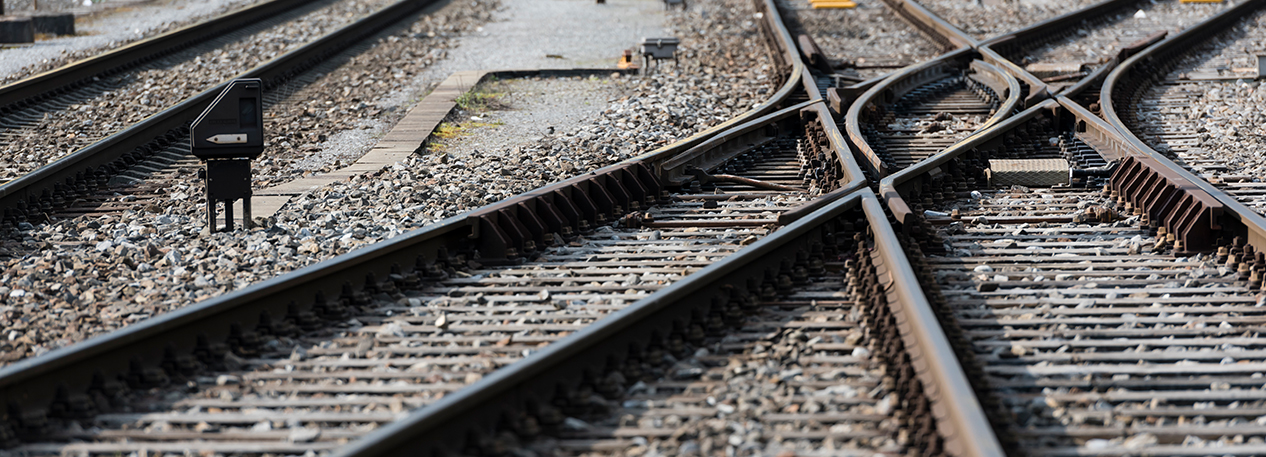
<point>478,100</point>
<point>450,130</point>
<point>483,97</point>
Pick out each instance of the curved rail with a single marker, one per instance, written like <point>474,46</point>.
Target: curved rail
<point>1132,175</point>
<point>940,30</point>
<point>497,234</point>
<point>912,78</point>
<point>1125,85</point>
<point>32,195</point>
<point>998,49</point>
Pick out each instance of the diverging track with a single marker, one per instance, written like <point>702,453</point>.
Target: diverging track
<point>1114,316</point>
<point>1039,285</point>
<point>921,110</point>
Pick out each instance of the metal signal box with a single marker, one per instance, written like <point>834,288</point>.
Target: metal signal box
<point>233,127</point>
<point>227,135</point>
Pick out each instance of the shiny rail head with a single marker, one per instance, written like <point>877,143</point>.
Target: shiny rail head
<point>1128,79</point>
<point>514,226</point>
<point>810,117</point>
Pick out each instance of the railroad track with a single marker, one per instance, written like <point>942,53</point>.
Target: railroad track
<point>1091,317</point>
<point>158,139</point>
<point>798,363</point>
<point>562,255</point>
<point>402,338</point>
<point>843,57</point>
<point>142,185</point>
<point>1180,113</point>
<point>849,63</point>
<point>83,100</point>
<point>416,336</point>
<point>924,109</point>
<point>1073,53</point>
<point>762,352</point>
<point>1039,285</point>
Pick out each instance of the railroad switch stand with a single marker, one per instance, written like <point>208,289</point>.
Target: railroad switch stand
<point>227,136</point>
<point>656,49</point>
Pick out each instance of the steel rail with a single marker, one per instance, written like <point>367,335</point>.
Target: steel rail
<point>34,190</point>
<point>940,30</point>
<point>892,187</point>
<point>846,156</point>
<point>911,184</point>
<point>21,93</point>
<point>1165,198</point>
<point>1057,26</point>
<point>498,231</point>
<point>1033,89</point>
<point>995,49</point>
<point>30,195</point>
<point>915,76</point>
<point>786,53</point>
<point>1128,80</point>
<point>31,385</point>
<point>442,427</point>
<point>1090,128</point>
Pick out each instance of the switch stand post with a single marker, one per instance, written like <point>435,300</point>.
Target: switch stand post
<point>228,180</point>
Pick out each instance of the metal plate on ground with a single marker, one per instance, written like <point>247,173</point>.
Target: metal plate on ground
<point>1028,172</point>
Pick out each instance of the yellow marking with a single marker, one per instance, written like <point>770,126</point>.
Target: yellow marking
<point>818,4</point>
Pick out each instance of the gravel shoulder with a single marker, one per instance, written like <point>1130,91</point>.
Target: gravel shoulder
<point>867,35</point>
<point>74,279</point>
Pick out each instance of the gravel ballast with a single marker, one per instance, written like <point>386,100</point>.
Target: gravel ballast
<point>74,279</point>
<point>1213,127</point>
<point>103,26</point>
<point>504,114</point>
<point>164,83</point>
<point>867,35</point>
<point>1100,42</point>
<point>985,19</point>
